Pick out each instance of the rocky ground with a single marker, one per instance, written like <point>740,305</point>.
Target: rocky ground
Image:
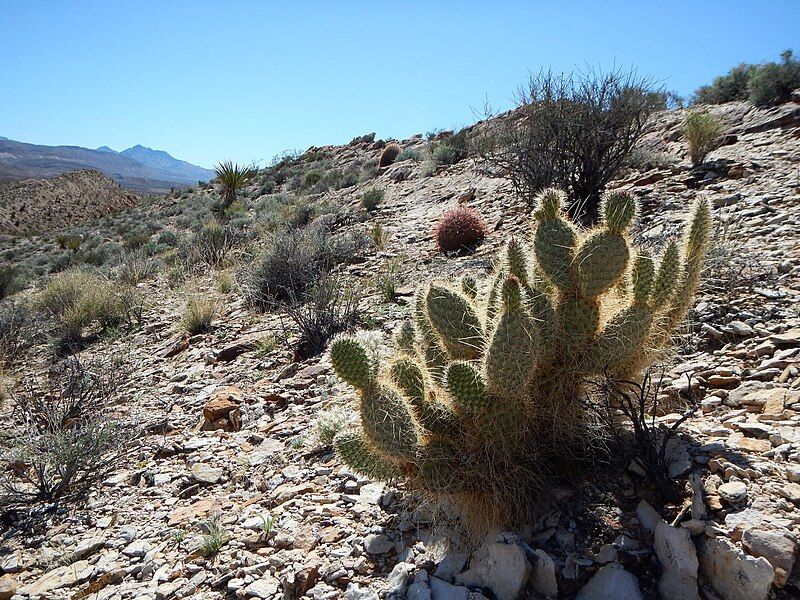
<point>295,523</point>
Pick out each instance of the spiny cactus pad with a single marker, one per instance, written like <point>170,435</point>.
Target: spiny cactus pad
<point>482,405</point>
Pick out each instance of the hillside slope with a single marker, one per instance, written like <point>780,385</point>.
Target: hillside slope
<point>298,524</point>
<point>34,205</point>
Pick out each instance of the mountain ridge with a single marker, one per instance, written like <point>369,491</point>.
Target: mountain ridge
<point>137,168</point>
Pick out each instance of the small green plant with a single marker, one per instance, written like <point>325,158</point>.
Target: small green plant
<point>266,525</point>
<point>232,177</point>
<point>267,345</point>
<point>178,536</point>
<point>215,538</point>
<point>371,199</point>
<point>386,282</point>
<point>379,236</point>
<point>199,314</point>
<point>703,134</point>
<point>409,154</point>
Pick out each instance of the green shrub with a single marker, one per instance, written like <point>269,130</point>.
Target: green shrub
<point>213,244</point>
<point>232,178</point>
<point>762,85</point>
<point>311,178</point>
<point>409,154</point>
<point>703,134</point>
<point>14,337</point>
<point>10,280</point>
<point>294,259</point>
<point>372,198</point>
<point>483,404</point>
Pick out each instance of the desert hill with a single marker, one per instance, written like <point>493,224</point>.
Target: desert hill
<point>232,489</point>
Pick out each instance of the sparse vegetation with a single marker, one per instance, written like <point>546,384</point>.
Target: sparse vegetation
<point>215,537</point>
<point>371,199</point>
<point>379,236</point>
<point>67,438</point>
<point>762,85</point>
<point>703,133</point>
<point>14,337</point>
<point>572,131</point>
<point>77,299</point>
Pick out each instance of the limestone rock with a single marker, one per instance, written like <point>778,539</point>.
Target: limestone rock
<point>611,581</point>
<point>777,546</point>
<point>543,574</point>
<point>734,574</point>
<point>501,567</point>
<point>678,558</point>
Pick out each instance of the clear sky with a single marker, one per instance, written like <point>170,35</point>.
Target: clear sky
<point>212,79</point>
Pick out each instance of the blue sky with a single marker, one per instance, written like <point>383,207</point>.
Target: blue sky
<point>209,80</point>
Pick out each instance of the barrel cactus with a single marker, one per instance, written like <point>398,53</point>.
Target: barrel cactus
<point>459,228</point>
<point>482,402</point>
<point>389,154</point>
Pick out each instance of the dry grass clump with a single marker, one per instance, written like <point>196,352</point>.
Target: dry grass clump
<point>703,134</point>
<point>78,299</point>
<point>199,314</point>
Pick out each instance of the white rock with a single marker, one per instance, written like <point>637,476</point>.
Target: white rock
<point>733,492</point>
<point>354,592</point>
<point>776,546</point>
<point>441,590</point>
<point>543,574</point>
<point>611,582</point>
<point>647,515</point>
<point>732,573</point>
<point>503,568</point>
<point>377,544</point>
<point>206,474</point>
<point>266,587</point>
<point>678,558</point>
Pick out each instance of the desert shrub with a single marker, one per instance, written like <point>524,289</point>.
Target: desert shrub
<point>198,314</point>
<point>136,266</point>
<point>628,411</point>
<point>71,242</point>
<point>774,83</point>
<point>14,337</point>
<point>327,307</point>
<point>645,159</point>
<point>372,198</point>
<point>294,259</point>
<point>449,150</point>
<point>572,131</point>
<point>136,239</point>
<point>311,178</point>
<point>762,85</point>
<point>9,280</point>
<point>460,228</point>
<point>67,439</point>
<point>389,154</point>
<point>232,177</point>
<point>225,282</point>
<point>483,404</point>
<point>703,134</point>
<point>386,282</point>
<point>409,154</point>
<point>213,244</point>
<point>77,299</point>
<point>168,237</point>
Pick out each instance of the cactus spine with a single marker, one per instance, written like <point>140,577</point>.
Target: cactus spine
<point>482,403</point>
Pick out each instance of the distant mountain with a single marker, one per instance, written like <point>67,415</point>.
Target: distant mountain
<point>161,161</point>
<point>137,168</point>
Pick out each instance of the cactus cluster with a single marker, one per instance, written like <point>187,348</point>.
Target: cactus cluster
<point>482,403</point>
<point>459,228</point>
<point>390,153</point>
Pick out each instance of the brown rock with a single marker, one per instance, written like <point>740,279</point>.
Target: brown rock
<point>8,587</point>
<point>222,409</point>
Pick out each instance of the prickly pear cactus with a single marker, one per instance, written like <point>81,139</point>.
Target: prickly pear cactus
<point>482,402</point>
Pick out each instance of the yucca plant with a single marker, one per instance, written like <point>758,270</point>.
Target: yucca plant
<point>232,177</point>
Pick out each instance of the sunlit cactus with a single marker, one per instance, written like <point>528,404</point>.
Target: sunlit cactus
<point>482,404</point>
